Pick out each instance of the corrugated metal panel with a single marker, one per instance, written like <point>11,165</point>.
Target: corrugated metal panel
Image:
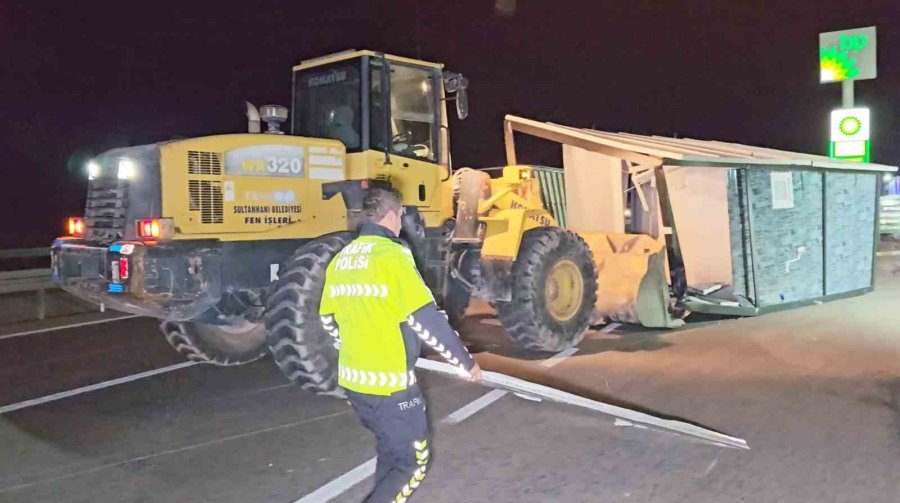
<point>685,151</point>
<point>553,192</point>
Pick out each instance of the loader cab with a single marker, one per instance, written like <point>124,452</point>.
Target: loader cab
<point>388,111</point>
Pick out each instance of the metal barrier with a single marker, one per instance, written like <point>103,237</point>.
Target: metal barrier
<point>27,280</point>
<point>889,218</point>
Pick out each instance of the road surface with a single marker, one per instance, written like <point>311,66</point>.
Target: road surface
<point>815,392</point>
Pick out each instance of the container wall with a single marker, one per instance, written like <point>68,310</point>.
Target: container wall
<point>699,199</point>
<point>786,234</point>
<point>849,230</point>
<point>739,234</point>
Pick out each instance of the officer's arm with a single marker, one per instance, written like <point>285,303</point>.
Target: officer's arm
<point>432,327</point>
<point>420,313</point>
<point>331,327</point>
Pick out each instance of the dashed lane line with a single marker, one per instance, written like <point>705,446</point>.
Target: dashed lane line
<point>472,408</point>
<point>346,481</point>
<point>63,327</point>
<point>93,387</point>
<point>174,451</point>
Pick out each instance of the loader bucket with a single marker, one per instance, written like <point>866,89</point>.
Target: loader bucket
<point>631,279</point>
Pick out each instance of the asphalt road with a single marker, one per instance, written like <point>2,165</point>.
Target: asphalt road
<point>815,392</point>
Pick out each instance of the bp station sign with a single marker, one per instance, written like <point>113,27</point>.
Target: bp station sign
<point>850,134</point>
<point>847,56</point>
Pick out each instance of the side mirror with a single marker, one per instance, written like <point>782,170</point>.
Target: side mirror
<point>455,83</point>
<point>462,103</point>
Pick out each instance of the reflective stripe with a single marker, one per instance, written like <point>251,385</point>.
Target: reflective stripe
<point>332,329</point>
<point>418,476</point>
<point>432,341</point>
<point>358,290</point>
<point>379,379</point>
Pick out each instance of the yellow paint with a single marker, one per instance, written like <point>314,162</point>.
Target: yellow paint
<point>513,208</point>
<point>316,216</point>
<point>623,261</point>
<point>564,290</point>
<point>406,175</point>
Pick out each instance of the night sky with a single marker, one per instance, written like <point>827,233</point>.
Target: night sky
<point>83,77</point>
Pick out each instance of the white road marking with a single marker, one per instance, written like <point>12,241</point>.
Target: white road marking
<point>63,327</point>
<point>712,465</point>
<point>346,481</point>
<point>174,451</point>
<point>473,407</point>
<point>93,387</point>
<point>340,485</point>
<point>888,253</point>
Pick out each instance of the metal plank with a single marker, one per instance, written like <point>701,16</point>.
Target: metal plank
<point>526,388</point>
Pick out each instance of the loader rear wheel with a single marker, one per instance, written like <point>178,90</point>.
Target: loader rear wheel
<point>554,291</point>
<point>217,344</point>
<point>299,344</point>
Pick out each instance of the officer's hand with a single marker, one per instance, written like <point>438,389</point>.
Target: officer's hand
<point>475,373</point>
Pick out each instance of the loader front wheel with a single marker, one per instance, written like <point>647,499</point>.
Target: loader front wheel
<point>299,344</point>
<point>554,291</point>
<point>217,344</point>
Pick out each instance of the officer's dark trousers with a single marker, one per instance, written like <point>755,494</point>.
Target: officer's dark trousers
<point>402,441</point>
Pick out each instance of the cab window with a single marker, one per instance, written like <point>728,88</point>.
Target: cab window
<point>414,119</point>
<point>327,104</point>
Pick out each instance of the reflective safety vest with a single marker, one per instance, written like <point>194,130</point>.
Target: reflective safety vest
<point>371,287</point>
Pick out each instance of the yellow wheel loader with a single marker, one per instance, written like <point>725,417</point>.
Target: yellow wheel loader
<point>226,238</point>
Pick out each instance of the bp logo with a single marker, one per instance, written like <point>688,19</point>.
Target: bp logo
<point>850,125</point>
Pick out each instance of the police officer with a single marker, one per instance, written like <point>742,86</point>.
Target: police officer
<point>379,311</point>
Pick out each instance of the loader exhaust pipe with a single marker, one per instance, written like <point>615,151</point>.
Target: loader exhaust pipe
<point>252,118</point>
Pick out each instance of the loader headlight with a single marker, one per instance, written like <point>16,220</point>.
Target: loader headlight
<point>93,169</point>
<point>127,169</point>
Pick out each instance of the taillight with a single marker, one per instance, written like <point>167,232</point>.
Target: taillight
<point>75,227</point>
<point>155,229</point>
<point>123,268</point>
<point>148,228</point>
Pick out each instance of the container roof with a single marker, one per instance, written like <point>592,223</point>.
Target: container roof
<point>684,151</point>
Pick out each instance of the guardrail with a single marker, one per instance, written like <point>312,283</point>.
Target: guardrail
<point>889,218</point>
<point>27,280</point>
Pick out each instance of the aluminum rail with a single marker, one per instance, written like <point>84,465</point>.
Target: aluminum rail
<point>626,417</point>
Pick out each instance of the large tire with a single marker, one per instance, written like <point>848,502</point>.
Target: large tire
<point>554,291</point>
<point>299,344</point>
<point>217,344</point>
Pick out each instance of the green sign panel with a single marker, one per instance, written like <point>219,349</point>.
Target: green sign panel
<point>847,55</point>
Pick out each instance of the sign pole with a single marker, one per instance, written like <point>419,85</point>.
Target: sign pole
<point>847,56</point>
<point>847,93</point>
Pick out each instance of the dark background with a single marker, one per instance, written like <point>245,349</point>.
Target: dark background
<point>82,77</point>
